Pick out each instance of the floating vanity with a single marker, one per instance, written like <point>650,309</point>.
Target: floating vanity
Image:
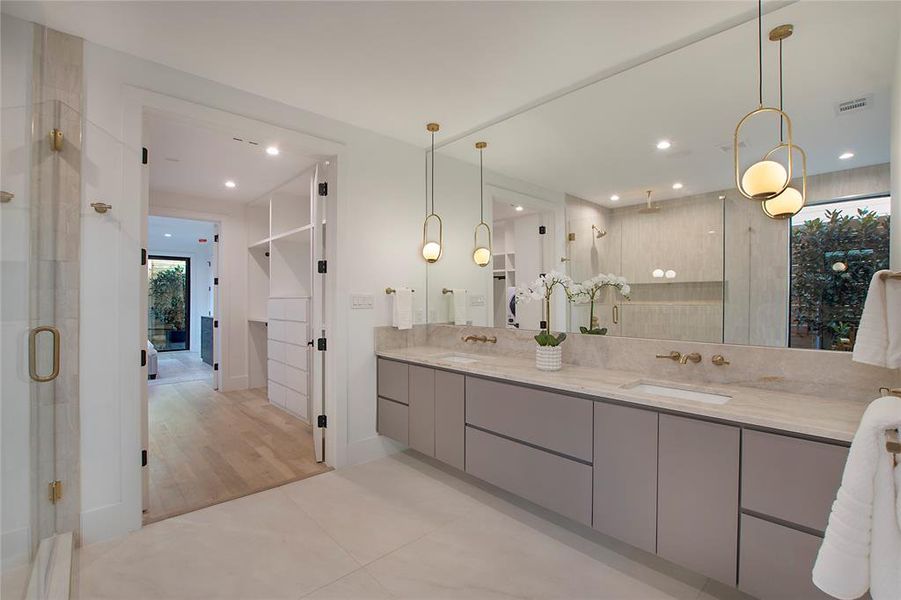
<point>732,482</point>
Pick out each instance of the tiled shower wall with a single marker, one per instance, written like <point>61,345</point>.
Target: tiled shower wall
<point>55,273</point>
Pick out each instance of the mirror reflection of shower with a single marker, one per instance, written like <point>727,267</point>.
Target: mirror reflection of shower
<point>598,233</point>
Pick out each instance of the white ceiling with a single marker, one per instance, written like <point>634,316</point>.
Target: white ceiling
<point>192,159</point>
<point>393,66</point>
<point>185,234</point>
<point>601,140</point>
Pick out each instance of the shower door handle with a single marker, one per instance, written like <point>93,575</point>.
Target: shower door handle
<point>616,314</point>
<point>33,353</point>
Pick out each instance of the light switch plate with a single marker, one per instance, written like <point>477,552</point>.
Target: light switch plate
<point>361,301</point>
<point>477,300</point>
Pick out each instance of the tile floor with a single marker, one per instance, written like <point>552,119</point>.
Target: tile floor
<point>394,528</point>
<point>180,366</point>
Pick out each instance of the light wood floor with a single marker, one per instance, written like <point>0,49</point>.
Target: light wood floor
<point>207,447</point>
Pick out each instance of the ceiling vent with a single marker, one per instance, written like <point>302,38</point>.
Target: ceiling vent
<point>854,105</point>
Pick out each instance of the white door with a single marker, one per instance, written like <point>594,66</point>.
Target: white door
<point>216,313</point>
<point>142,324</point>
<point>319,194</point>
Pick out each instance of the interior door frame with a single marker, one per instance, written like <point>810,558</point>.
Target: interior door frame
<point>136,100</point>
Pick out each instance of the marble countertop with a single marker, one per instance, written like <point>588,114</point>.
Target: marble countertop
<point>827,418</point>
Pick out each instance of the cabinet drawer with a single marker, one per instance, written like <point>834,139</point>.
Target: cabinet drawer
<point>776,561</point>
<point>393,420</point>
<point>554,482</point>
<point>276,350</point>
<point>276,330</point>
<point>296,403</point>
<point>554,421</point>
<point>295,379</point>
<point>295,356</point>
<point>422,410</point>
<point>393,380</point>
<point>791,479</point>
<point>277,394</point>
<point>276,372</point>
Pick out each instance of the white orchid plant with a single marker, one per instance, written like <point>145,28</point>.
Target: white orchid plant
<point>590,290</point>
<point>543,289</point>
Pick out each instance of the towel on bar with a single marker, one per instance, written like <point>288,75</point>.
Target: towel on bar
<point>862,545</point>
<point>459,306</point>
<point>403,308</point>
<point>879,335</point>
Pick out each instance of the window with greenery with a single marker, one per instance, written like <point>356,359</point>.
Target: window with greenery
<point>168,303</point>
<point>835,249</point>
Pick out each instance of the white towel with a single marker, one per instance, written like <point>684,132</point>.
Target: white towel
<point>459,306</point>
<point>862,545</point>
<point>879,336</point>
<point>403,308</point>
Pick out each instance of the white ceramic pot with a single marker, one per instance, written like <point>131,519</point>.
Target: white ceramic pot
<point>549,358</point>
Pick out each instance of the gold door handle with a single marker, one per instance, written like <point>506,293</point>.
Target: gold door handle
<point>33,353</point>
<point>616,314</point>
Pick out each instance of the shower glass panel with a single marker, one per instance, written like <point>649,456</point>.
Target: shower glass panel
<point>39,274</point>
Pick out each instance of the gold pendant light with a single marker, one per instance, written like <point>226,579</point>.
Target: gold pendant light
<point>432,248</point>
<point>766,179</point>
<point>789,202</point>
<point>481,253</point>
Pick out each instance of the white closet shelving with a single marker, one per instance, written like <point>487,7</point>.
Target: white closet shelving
<point>279,231</point>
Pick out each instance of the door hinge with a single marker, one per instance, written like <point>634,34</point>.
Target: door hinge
<point>55,491</point>
<point>322,266</point>
<point>321,344</point>
<point>215,366</point>
<point>145,156</point>
<point>215,323</point>
<point>216,238</point>
<point>323,188</point>
<point>143,256</point>
<point>216,281</point>
<point>321,421</point>
<point>542,325</point>
<point>143,358</point>
<point>542,230</point>
<point>143,458</point>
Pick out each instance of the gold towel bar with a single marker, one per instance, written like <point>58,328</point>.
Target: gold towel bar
<point>446,291</point>
<point>391,290</point>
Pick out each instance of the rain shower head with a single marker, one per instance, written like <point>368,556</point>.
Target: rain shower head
<point>597,232</point>
<point>649,208</point>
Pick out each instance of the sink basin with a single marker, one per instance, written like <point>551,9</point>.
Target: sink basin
<point>460,359</point>
<point>677,393</point>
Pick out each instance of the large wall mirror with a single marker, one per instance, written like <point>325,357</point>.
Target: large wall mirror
<point>567,187</point>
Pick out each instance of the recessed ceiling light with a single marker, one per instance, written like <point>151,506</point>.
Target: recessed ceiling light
<point>167,235</point>
<point>230,184</point>
<point>272,151</point>
<point>677,186</point>
<point>519,209</point>
<point>846,155</point>
<point>663,144</point>
<point>614,198</point>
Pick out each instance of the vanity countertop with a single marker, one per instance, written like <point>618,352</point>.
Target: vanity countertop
<point>827,418</point>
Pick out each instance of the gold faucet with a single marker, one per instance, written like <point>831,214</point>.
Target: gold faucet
<point>676,356</point>
<point>719,360</point>
<point>693,357</point>
<point>480,338</point>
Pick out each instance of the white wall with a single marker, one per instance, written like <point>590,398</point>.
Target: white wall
<point>895,232</point>
<point>15,396</point>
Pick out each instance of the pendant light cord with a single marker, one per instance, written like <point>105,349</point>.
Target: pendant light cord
<point>780,92</point>
<point>481,191</point>
<point>433,172</point>
<point>760,51</point>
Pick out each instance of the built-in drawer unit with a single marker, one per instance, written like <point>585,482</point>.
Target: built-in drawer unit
<point>697,496</point>
<point>790,479</point>
<point>393,419</point>
<point>553,421</point>
<point>552,481</point>
<point>776,562</point>
<point>393,380</point>
<point>288,354</point>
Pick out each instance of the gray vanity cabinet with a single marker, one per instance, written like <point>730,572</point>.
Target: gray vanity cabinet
<point>450,418</point>
<point>422,410</point>
<point>697,496</point>
<point>393,387</point>
<point>625,474</point>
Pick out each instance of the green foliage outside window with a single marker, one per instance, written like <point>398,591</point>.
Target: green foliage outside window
<point>833,260</point>
<point>167,297</point>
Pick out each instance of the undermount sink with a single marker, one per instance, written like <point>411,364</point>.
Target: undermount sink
<point>677,393</point>
<point>460,359</point>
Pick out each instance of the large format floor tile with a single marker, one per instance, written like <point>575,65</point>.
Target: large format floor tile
<point>394,528</point>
